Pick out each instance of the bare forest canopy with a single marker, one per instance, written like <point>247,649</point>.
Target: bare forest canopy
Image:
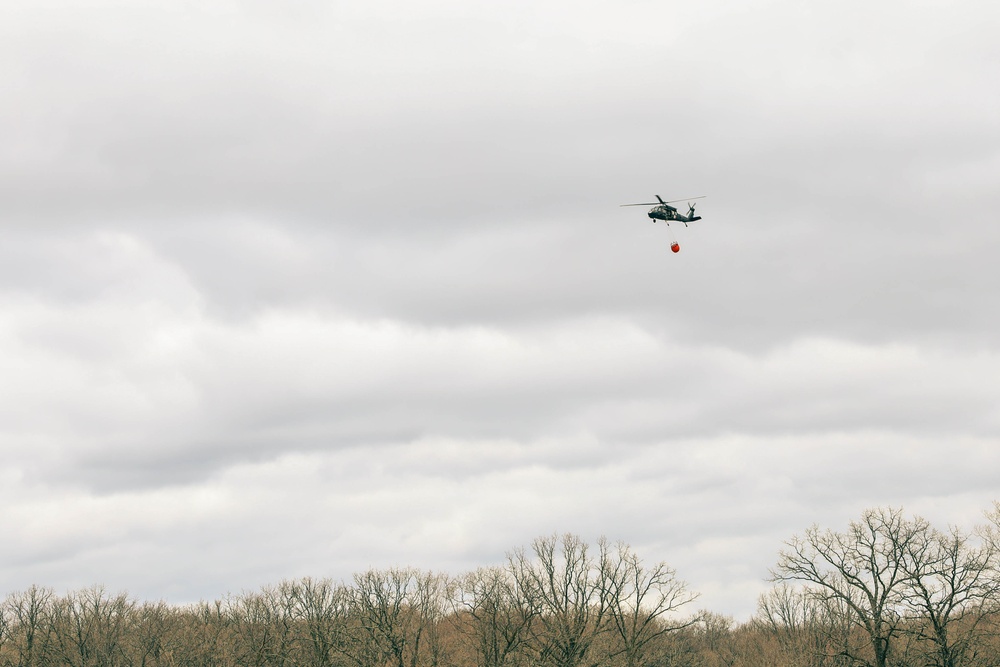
<point>891,590</point>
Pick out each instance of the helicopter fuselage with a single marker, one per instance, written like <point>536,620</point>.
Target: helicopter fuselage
<point>664,211</point>
<point>667,213</point>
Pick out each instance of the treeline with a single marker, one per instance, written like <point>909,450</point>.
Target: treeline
<point>890,591</point>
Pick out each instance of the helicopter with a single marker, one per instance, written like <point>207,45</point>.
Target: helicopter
<point>664,211</point>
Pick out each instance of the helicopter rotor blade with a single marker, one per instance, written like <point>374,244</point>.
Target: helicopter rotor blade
<point>657,203</point>
<point>685,199</point>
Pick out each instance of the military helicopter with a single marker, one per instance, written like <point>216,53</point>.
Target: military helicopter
<point>664,211</point>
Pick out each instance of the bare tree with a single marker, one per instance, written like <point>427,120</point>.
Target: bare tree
<point>640,600</point>
<point>953,587</point>
<point>30,630</point>
<point>5,630</point>
<point>430,602</point>
<point>92,626</point>
<point>325,610</point>
<point>207,636</point>
<point>150,638</point>
<point>498,612</point>
<point>564,583</point>
<point>713,637</point>
<point>264,624</point>
<point>807,630</point>
<point>863,569</point>
<point>396,608</point>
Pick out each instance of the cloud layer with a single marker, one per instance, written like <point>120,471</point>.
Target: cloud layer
<point>313,289</point>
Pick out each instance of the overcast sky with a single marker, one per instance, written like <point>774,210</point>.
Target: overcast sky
<point>304,288</point>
